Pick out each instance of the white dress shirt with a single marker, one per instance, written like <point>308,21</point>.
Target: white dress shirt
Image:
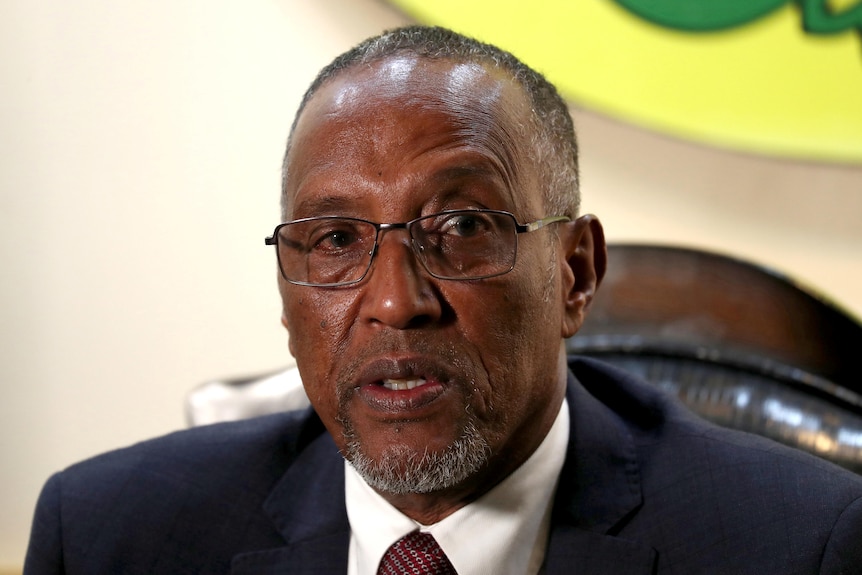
<point>503,532</point>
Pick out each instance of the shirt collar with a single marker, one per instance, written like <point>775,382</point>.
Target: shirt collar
<point>504,531</point>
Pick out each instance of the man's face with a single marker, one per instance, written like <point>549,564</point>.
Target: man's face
<point>402,138</point>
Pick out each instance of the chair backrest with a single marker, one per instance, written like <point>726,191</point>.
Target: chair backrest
<point>234,398</point>
<point>739,344</point>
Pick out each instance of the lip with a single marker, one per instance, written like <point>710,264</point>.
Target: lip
<point>402,403</point>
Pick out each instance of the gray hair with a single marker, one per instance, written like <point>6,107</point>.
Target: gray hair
<point>552,134</point>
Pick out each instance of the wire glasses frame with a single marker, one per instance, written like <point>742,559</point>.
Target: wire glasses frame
<point>335,251</point>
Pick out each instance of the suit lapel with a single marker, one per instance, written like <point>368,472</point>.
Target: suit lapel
<point>599,491</point>
<point>307,508</point>
<point>572,550</point>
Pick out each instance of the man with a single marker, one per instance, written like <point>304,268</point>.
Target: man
<point>432,262</point>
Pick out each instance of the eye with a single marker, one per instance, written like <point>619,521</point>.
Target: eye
<point>335,237</point>
<point>339,239</point>
<point>465,225</point>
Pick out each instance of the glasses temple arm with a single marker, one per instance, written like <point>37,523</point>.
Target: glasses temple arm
<point>539,224</point>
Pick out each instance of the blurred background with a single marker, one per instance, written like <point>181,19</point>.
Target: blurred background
<point>141,145</point>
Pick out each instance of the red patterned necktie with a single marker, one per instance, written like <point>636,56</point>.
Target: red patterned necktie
<point>415,553</point>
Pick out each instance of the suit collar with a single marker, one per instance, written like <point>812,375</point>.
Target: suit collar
<point>599,490</point>
<point>600,482</point>
<point>307,508</point>
<point>576,550</point>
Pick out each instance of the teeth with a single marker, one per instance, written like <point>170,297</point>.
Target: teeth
<point>402,384</point>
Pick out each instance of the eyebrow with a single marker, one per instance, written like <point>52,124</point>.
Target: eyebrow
<point>329,204</point>
<point>334,203</point>
<point>462,172</point>
<point>469,172</point>
<point>466,174</point>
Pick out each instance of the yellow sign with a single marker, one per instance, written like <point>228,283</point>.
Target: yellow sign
<point>779,77</point>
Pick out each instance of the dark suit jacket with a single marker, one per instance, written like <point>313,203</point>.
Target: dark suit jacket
<point>646,488</point>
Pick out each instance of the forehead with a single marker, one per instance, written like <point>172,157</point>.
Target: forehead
<point>392,111</point>
<point>410,79</point>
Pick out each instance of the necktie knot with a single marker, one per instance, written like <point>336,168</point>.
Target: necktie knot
<point>415,553</point>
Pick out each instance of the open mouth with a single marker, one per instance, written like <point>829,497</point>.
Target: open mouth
<point>403,384</point>
<point>402,393</point>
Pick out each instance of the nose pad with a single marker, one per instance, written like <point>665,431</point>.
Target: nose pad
<point>419,252</point>
<point>399,294</point>
<point>408,241</point>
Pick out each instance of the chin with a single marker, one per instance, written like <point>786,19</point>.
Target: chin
<point>401,469</point>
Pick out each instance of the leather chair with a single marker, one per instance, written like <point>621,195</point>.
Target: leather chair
<point>739,344</point>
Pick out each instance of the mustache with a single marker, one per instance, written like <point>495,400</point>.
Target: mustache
<point>410,354</point>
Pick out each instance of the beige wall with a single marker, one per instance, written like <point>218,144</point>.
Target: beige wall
<point>140,148</point>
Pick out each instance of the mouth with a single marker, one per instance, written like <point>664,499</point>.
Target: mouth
<point>403,384</point>
<point>401,388</point>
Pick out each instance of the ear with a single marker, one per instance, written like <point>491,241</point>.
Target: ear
<point>586,258</point>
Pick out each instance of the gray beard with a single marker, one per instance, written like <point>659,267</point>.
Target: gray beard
<point>401,470</point>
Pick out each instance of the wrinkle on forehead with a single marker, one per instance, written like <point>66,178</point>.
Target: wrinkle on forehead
<point>485,108</point>
<point>486,116</point>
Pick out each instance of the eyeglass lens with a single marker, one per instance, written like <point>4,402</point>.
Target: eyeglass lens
<point>469,244</point>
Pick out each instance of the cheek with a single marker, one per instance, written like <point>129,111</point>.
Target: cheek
<point>317,325</point>
<point>518,316</point>
<point>313,319</point>
<point>523,345</point>
<point>501,326</point>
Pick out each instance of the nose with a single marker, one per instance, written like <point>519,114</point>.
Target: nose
<point>398,292</point>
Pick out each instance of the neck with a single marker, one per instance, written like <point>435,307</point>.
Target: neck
<point>430,508</point>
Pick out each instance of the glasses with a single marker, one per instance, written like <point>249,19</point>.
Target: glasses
<point>332,251</point>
